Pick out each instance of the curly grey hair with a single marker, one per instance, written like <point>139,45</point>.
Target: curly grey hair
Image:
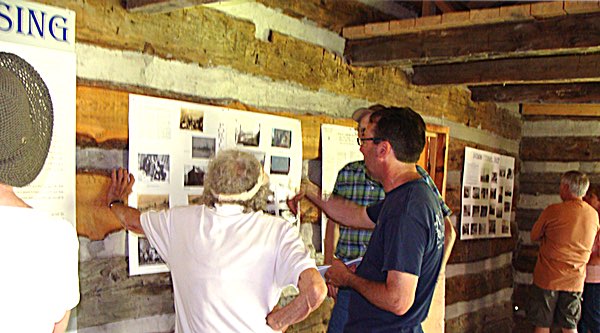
<point>577,182</point>
<point>233,172</point>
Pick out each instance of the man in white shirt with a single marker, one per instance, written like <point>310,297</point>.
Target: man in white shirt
<point>229,261</point>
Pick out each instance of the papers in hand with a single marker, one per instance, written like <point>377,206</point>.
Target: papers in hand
<point>353,262</point>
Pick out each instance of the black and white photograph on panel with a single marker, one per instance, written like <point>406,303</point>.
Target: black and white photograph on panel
<point>475,192</point>
<point>465,228</point>
<point>484,211</point>
<point>484,193</point>
<point>155,202</point>
<point>466,210</point>
<point>485,178</point>
<point>491,226</point>
<point>147,255</point>
<point>499,211</point>
<point>494,177</point>
<point>505,226</point>
<point>203,147</point>
<point>482,228</point>
<point>281,138</point>
<point>191,120</point>
<point>280,165</point>
<point>500,195</point>
<point>509,173</point>
<point>467,192</point>
<point>193,175</point>
<point>476,210</point>
<point>153,168</point>
<point>492,210</point>
<point>474,228</point>
<point>248,134</point>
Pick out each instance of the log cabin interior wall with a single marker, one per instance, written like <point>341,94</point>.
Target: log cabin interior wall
<point>203,54</point>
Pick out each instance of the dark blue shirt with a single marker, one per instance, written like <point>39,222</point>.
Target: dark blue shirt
<point>408,237</point>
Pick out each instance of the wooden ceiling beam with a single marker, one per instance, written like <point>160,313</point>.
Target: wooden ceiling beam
<point>568,34</point>
<point>538,93</point>
<point>161,6</point>
<point>562,68</point>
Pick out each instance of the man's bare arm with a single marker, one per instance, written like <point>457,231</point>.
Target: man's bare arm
<point>396,294</point>
<point>449,238</point>
<point>329,241</point>
<point>120,187</point>
<point>341,210</point>
<point>312,293</point>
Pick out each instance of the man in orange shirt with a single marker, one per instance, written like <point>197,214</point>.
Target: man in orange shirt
<point>566,231</point>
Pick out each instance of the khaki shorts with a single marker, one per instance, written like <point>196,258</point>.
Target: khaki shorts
<point>563,308</point>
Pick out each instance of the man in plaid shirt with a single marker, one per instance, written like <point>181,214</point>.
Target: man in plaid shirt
<point>354,184</point>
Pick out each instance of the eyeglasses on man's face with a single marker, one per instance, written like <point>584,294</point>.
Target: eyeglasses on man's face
<point>361,141</point>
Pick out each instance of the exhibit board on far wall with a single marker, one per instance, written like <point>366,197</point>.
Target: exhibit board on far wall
<point>171,143</point>
<point>487,194</point>
<point>339,147</point>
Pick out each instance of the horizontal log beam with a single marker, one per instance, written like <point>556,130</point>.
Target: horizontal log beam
<point>571,33</point>
<point>463,288</point>
<point>538,93</point>
<point>560,149</point>
<point>563,68</point>
<point>161,6</point>
<point>583,110</point>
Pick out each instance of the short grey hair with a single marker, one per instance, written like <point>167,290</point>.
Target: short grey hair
<point>576,181</point>
<point>232,172</point>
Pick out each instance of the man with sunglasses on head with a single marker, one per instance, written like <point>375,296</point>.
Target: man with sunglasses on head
<point>353,183</point>
<point>394,284</point>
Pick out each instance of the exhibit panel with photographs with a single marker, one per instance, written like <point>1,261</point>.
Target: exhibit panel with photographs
<point>171,143</point>
<point>53,57</point>
<point>339,147</point>
<point>487,195</point>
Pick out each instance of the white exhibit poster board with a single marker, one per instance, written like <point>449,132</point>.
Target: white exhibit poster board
<point>339,147</point>
<point>171,143</point>
<point>487,194</point>
<point>45,37</point>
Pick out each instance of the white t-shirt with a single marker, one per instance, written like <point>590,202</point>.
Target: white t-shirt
<point>228,267</point>
<point>39,280</point>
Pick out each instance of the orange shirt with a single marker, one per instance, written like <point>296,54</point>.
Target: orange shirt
<point>566,231</point>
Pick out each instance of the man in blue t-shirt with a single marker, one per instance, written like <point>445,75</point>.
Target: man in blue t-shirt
<point>393,286</point>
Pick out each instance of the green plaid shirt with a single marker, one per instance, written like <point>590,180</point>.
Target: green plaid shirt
<point>353,183</point>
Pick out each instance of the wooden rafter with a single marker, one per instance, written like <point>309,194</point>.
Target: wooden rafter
<point>571,33</point>
<point>538,93</point>
<point>444,6</point>
<point>564,68</point>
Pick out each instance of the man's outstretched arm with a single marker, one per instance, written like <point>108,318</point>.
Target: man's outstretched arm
<point>343,211</point>
<point>312,293</point>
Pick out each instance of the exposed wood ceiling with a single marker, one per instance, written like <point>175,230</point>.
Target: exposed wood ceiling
<point>503,51</point>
